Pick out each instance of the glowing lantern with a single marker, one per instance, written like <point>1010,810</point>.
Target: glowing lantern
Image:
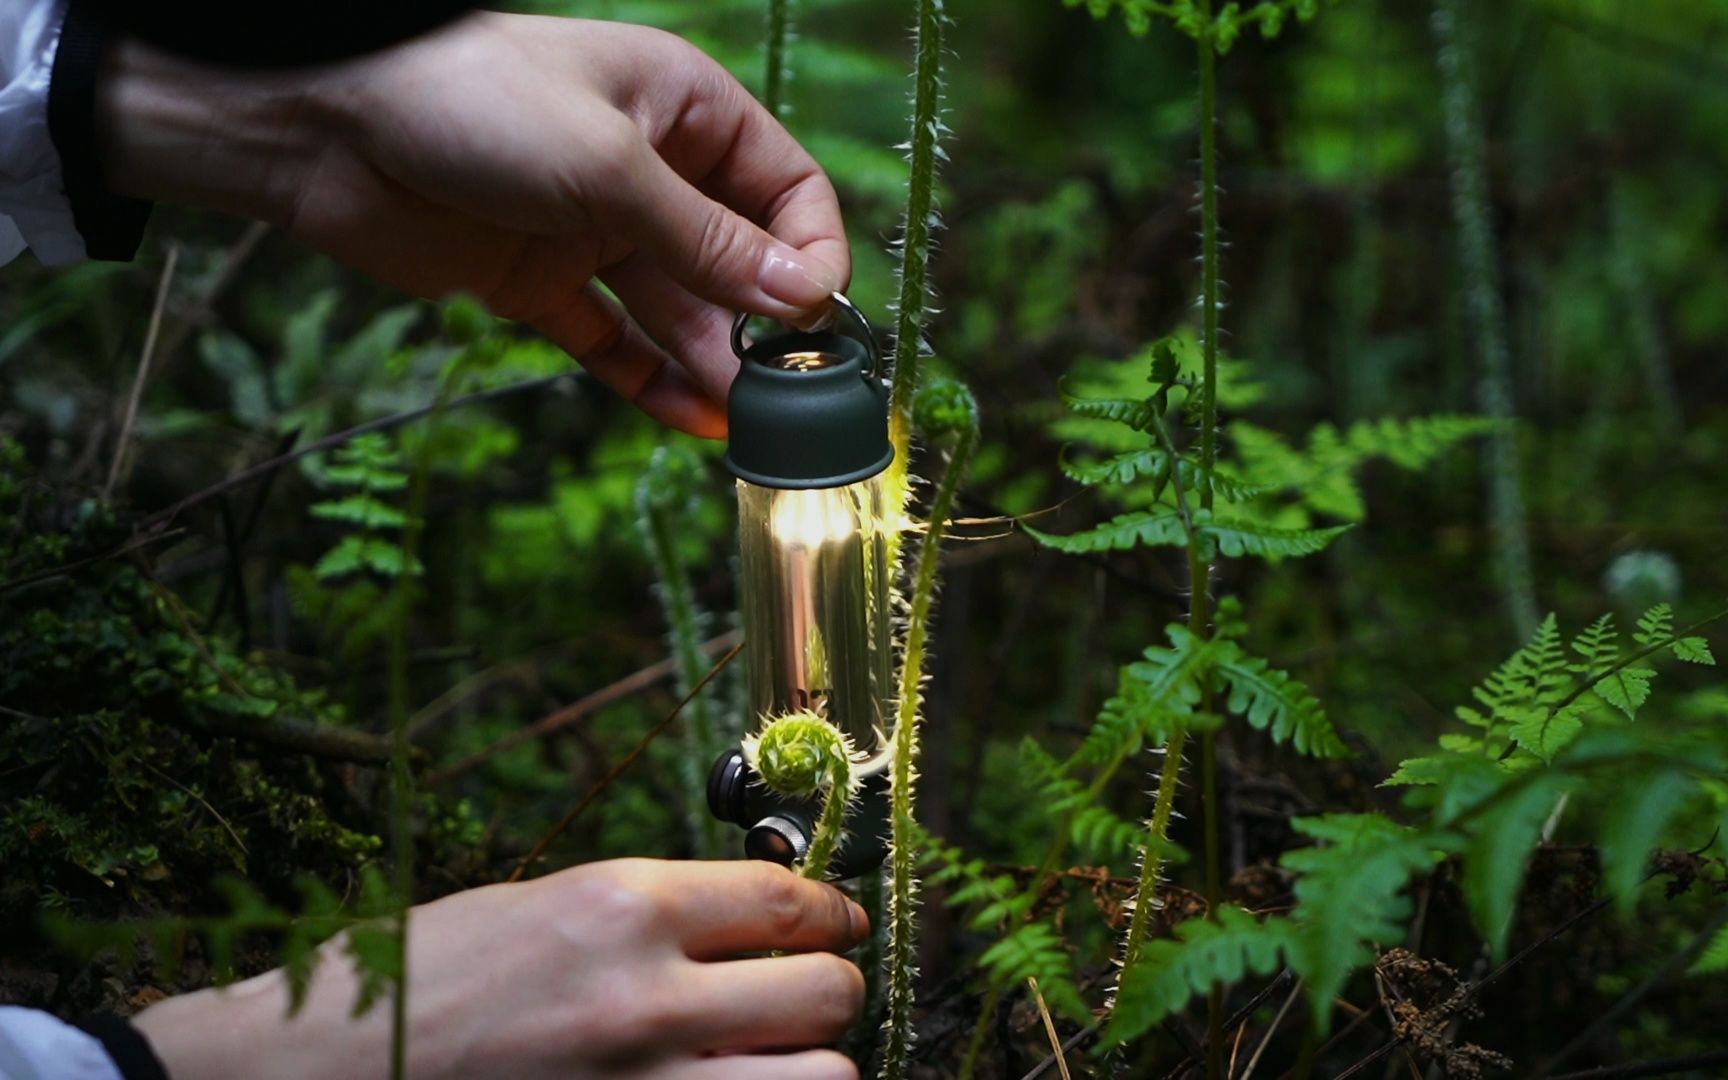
<point>809,442</point>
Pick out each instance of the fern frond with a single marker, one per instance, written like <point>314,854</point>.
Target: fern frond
<point>1350,893</point>
<point>1035,950</point>
<point>1236,537</point>
<point>1274,702</point>
<point>1131,412</point>
<point>1096,829</point>
<point>1139,528</point>
<point>1714,959</point>
<point>1203,954</point>
<point>1125,468</point>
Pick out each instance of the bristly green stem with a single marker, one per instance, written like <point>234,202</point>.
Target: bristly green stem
<point>1209,287</point>
<point>914,299</point>
<point>687,625</point>
<point>1481,288</point>
<point>774,75</point>
<point>903,886</point>
<point>1199,575</point>
<point>401,775</point>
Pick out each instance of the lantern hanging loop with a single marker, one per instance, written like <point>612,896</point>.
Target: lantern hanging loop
<point>859,324</point>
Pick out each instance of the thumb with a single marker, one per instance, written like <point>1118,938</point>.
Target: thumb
<point>713,251</point>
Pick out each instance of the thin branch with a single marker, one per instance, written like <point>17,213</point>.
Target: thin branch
<point>1637,994</point>
<point>562,718</point>
<point>1254,1060</point>
<point>295,735</point>
<point>1049,1029</point>
<point>238,255</point>
<point>127,548</point>
<point>1658,1067</point>
<point>266,468</point>
<point>617,770</point>
<point>143,376</point>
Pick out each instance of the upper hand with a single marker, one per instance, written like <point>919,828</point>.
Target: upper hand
<point>632,968</point>
<point>517,158</point>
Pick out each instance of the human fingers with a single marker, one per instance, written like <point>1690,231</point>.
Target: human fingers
<point>694,332</point>
<point>734,151</point>
<point>701,243</point>
<point>805,1065</point>
<point>773,1003</point>
<point>591,327</point>
<point>723,909</point>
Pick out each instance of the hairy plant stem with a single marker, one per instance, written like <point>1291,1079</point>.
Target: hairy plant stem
<point>1199,572</point>
<point>903,886</point>
<point>401,753</point>
<point>688,629</point>
<point>831,826</point>
<point>774,73</point>
<point>912,306</point>
<point>1481,287</point>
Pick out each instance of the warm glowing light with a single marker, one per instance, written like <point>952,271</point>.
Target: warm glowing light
<point>809,519</point>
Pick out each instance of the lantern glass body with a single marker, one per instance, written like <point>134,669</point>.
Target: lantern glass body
<point>815,604</point>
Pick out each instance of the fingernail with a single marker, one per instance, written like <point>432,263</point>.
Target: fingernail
<point>860,921</point>
<point>795,279</point>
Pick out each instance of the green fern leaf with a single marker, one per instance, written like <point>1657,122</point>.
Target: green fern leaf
<point>1693,650</point>
<point>1714,959</point>
<point>1152,693</point>
<point>1598,646</point>
<point>1350,892</point>
<point>1204,953</point>
<point>1134,413</point>
<point>1656,625</point>
<point>1036,951</point>
<point>1627,689</point>
<point>1139,528</point>
<point>1125,468</point>
<point>1632,827</point>
<point>1274,702</point>
<point>1498,852</point>
<point>1238,537</point>
<point>361,509</point>
<point>1543,732</point>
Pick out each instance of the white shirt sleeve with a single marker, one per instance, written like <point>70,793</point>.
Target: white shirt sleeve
<point>34,210</point>
<point>36,1046</point>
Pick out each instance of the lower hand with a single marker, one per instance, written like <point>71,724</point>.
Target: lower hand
<point>624,969</point>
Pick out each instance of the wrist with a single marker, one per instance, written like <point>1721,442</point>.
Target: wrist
<point>172,130</point>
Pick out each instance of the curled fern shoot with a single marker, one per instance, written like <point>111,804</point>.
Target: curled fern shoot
<point>800,754</point>
<point>945,408</point>
<point>913,306</point>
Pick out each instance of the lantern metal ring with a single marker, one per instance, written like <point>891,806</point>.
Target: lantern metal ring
<point>862,325</point>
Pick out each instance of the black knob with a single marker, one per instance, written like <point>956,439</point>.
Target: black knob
<point>777,839</point>
<point>728,782</point>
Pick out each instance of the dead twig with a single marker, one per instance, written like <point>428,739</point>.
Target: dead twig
<point>387,423</point>
<point>1271,1030</point>
<point>1657,1067</point>
<point>127,548</point>
<point>618,770</point>
<point>576,710</point>
<point>1049,1029</point>
<point>143,376</point>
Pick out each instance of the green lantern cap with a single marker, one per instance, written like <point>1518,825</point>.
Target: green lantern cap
<point>807,411</point>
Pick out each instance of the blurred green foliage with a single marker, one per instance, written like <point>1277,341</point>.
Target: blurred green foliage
<point>125,790</point>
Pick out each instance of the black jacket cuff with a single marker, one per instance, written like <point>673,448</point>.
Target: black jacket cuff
<point>112,225</point>
<point>126,1046</point>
